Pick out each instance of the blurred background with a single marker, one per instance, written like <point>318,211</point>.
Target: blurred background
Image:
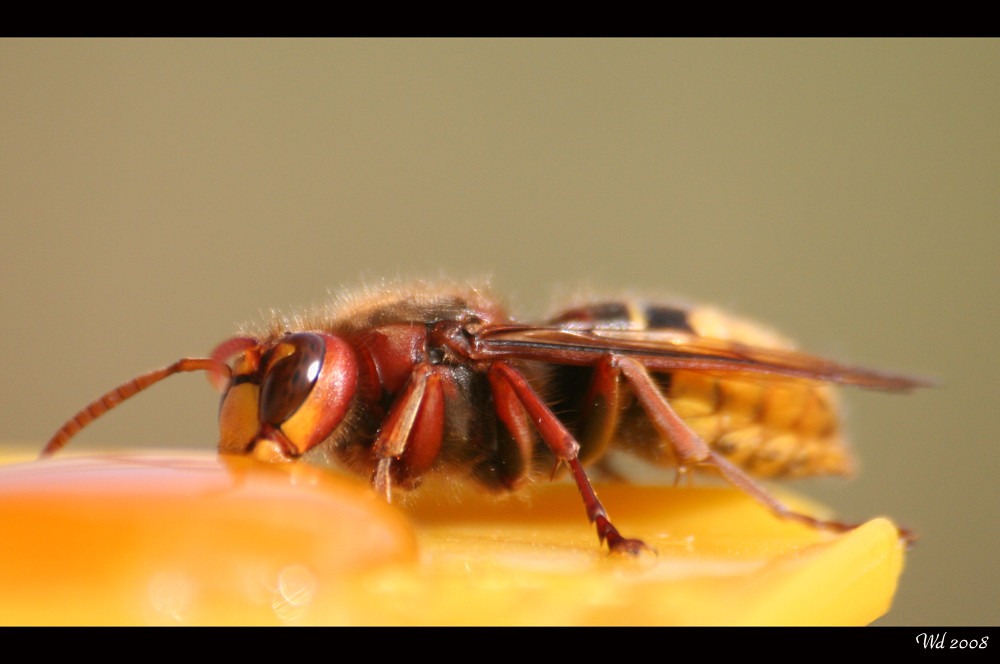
<point>153,194</point>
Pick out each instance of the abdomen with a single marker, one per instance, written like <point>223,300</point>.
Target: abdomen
<point>768,427</point>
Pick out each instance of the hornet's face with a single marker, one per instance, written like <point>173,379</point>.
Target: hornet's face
<point>286,397</point>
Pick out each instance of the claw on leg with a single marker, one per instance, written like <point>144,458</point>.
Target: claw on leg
<point>616,543</point>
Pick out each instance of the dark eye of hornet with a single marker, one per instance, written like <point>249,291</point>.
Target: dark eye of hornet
<point>400,383</point>
<point>290,377</point>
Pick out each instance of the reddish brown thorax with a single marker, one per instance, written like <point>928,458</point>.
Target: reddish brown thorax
<point>387,356</point>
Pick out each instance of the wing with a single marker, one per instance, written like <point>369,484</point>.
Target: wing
<point>675,350</point>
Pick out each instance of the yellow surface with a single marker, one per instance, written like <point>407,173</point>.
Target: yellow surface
<point>194,539</point>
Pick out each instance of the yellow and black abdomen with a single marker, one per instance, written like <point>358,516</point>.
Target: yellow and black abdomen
<point>769,426</point>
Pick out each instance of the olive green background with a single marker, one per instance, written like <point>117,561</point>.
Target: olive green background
<point>155,193</point>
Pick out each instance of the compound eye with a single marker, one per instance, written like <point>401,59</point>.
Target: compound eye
<point>292,368</point>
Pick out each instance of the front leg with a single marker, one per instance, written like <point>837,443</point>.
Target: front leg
<point>410,438</point>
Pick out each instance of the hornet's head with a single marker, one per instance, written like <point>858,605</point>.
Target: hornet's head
<point>286,396</point>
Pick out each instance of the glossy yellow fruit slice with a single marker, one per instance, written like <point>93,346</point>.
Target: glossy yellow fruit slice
<point>201,539</point>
